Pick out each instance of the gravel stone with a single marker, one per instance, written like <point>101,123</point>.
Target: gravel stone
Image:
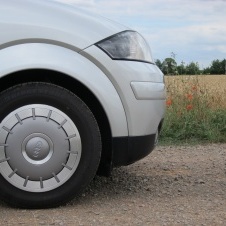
<point>174,185</point>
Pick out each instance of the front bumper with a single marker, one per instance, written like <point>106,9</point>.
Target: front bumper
<point>140,87</point>
<point>127,150</point>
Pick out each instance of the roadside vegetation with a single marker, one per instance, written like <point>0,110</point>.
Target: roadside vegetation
<point>196,101</point>
<point>196,109</point>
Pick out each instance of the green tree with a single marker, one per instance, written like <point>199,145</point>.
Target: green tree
<point>217,67</point>
<point>206,71</point>
<point>169,66</point>
<point>181,68</point>
<point>159,63</point>
<point>193,68</point>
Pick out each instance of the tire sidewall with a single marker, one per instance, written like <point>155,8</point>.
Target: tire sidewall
<point>79,113</point>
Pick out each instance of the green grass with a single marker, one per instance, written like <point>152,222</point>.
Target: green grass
<point>190,127</point>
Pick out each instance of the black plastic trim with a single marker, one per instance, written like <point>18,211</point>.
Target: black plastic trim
<point>127,150</point>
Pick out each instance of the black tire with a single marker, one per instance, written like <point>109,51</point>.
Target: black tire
<point>68,103</point>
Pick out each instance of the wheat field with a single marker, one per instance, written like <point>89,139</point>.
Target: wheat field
<point>211,88</point>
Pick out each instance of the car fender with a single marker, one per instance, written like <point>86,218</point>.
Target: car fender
<point>47,56</point>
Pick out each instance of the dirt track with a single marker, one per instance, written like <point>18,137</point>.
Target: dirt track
<point>172,186</point>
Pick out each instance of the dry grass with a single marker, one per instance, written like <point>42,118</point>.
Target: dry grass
<point>210,87</point>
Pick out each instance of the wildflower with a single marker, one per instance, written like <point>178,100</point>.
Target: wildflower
<point>189,107</point>
<point>194,88</point>
<point>169,102</point>
<point>189,96</point>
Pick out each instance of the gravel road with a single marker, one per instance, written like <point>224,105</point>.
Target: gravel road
<point>175,185</point>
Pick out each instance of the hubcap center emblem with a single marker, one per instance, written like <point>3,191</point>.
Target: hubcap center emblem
<point>37,148</point>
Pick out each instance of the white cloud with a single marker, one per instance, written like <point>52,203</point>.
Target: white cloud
<point>194,29</point>
<point>80,3</point>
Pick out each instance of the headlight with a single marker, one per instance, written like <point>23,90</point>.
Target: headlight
<point>127,45</point>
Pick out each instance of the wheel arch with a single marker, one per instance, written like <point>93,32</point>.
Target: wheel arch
<point>79,89</point>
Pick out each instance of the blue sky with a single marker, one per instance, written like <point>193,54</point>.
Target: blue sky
<point>195,30</point>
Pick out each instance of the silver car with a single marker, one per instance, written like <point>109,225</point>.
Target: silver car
<point>79,95</point>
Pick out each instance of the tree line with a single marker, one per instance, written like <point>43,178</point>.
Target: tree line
<point>170,67</point>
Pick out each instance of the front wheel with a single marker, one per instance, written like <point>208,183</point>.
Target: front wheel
<point>50,145</point>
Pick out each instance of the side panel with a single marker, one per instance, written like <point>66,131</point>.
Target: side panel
<point>45,56</point>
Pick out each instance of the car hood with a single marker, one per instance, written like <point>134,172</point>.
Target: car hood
<point>48,21</point>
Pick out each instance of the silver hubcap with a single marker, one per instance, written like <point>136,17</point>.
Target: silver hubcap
<point>40,148</point>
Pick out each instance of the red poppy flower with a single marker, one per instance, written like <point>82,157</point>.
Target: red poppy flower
<point>194,88</point>
<point>169,102</point>
<point>189,107</point>
<point>189,96</point>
